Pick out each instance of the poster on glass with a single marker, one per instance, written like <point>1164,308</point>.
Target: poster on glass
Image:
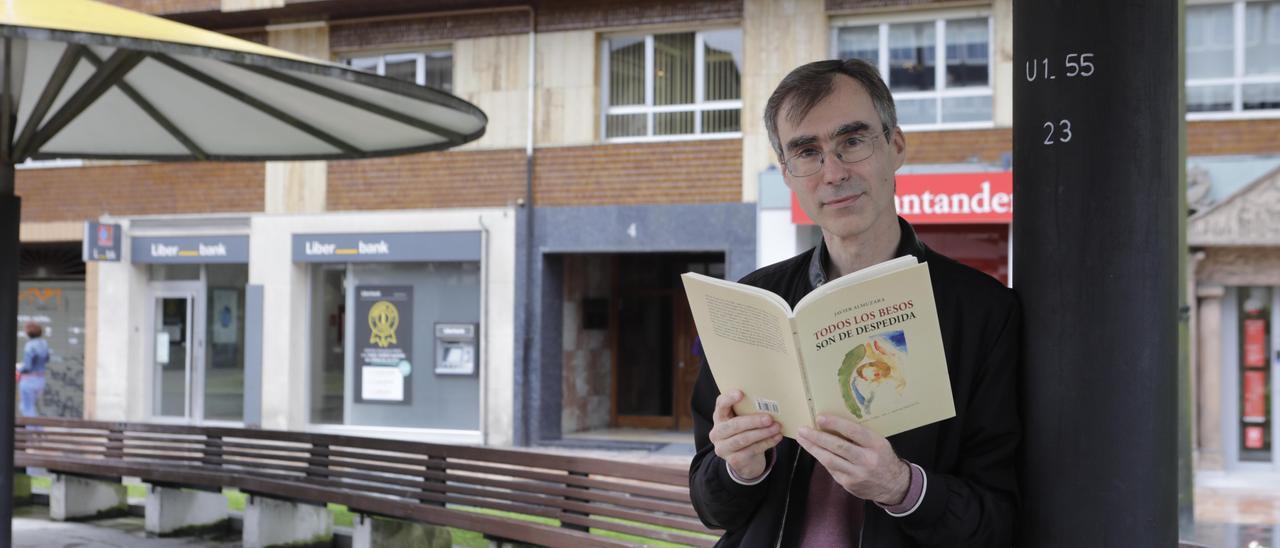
<point>384,342</point>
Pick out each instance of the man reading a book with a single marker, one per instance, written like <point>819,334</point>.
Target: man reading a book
<point>952,483</point>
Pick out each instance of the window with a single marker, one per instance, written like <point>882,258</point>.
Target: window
<point>347,384</point>
<point>1233,59</point>
<point>664,86</point>
<point>939,70</point>
<point>430,68</point>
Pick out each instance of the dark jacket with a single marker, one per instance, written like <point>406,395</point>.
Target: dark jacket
<point>971,493</point>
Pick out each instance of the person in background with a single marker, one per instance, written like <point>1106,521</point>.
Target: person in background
<point>35,358</point>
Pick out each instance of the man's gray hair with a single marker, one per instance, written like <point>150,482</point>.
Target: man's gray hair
<point>809,84</point>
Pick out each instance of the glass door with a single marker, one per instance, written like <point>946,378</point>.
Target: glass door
<point>177,351</point>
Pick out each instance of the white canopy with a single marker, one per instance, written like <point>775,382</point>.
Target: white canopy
<point>105,82</point>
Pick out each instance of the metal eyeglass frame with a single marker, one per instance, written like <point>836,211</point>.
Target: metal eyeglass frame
<point>823,160</point>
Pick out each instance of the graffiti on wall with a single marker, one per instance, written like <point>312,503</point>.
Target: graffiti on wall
<point>58,307</point>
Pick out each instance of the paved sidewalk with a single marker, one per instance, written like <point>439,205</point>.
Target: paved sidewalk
<point>32,528</point>
<point>1237,510</point>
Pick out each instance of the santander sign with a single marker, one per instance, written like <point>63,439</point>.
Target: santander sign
<point>950,198</point>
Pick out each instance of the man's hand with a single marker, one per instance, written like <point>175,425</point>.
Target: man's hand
<point>742,441</point>
<point>858,459</point>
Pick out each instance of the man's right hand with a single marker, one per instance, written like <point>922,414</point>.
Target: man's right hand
<point>742,441</point>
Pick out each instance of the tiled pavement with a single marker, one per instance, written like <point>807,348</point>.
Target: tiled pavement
<point>1236,510</point>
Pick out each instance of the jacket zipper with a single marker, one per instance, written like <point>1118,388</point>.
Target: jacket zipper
<point>786,502</point>
<point>862,526</point>
<point>786,505</point>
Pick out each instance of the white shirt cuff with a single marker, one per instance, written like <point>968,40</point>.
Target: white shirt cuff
<point>741,481</point>
<point>767,467</point>
<point>924,488</point>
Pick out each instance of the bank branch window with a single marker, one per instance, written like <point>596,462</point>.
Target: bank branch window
<point>394,339</point>
<point>939,70</point>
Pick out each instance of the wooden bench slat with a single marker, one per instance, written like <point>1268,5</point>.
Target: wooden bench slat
<point>673,495</point>
<point>669,536</point>
<point>532,499</point>
<point>552,489</point>
<point>585,481</point>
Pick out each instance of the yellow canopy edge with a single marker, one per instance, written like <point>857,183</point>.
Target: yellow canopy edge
<point>99,18</point>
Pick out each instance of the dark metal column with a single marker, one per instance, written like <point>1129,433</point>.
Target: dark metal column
<point>10,212</point>
<point>10,207</point>
<point>1096,175</point>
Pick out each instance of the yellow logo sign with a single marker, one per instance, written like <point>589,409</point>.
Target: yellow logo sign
<point>383,321</point>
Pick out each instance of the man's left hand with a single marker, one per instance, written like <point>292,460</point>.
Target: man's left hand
<point>858,459</point>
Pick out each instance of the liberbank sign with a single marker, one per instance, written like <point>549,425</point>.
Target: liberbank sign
<point>946,198</point>
<point>388,247</point>
<point>191,250</point>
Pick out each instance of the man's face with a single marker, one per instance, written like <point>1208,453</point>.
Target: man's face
<point>846,200</point>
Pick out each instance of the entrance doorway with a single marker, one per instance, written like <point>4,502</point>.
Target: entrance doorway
<point>629,357</point>
<point>176,343</point>
<point>1256,409</point>
<point>1251,358</point>
<point>654,366</point>
<point>195,342</point>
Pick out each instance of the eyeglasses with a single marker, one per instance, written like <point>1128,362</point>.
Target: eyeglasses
<point>849,150</point>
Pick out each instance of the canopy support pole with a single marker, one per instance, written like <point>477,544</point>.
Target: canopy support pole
<point>10,208</point>
<point>1096,125</point>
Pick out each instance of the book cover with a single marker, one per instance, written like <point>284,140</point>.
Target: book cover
<point>866,346</point>
<point>873,350</point>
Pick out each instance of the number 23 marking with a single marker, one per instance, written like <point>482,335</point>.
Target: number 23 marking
<point>1064,127</point>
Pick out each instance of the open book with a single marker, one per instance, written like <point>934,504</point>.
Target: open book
<point>865,346</point>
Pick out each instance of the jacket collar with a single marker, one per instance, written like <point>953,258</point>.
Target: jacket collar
<point>908,244</point>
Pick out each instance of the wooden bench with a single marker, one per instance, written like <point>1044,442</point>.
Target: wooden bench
<point>424,482</point>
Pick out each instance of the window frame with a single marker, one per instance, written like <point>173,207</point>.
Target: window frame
<point>420,66</point>
<point>1238,79</point>
<point>50,163</point>
<point>697,107</point>
<point>941,93</point>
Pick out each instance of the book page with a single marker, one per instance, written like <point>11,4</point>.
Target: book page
<point>870,272</point>
<point>749,345</point>
<point>873,352</point>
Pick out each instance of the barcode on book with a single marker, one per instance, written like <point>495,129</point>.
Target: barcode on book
<point>767,406</point>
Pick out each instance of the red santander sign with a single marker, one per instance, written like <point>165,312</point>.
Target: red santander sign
<point>946,198</point>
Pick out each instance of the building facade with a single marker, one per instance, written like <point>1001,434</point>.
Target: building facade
<point>536,268</point>
<point>1233,149</point>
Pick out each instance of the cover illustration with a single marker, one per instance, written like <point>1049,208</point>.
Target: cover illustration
<point>873,371</point>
